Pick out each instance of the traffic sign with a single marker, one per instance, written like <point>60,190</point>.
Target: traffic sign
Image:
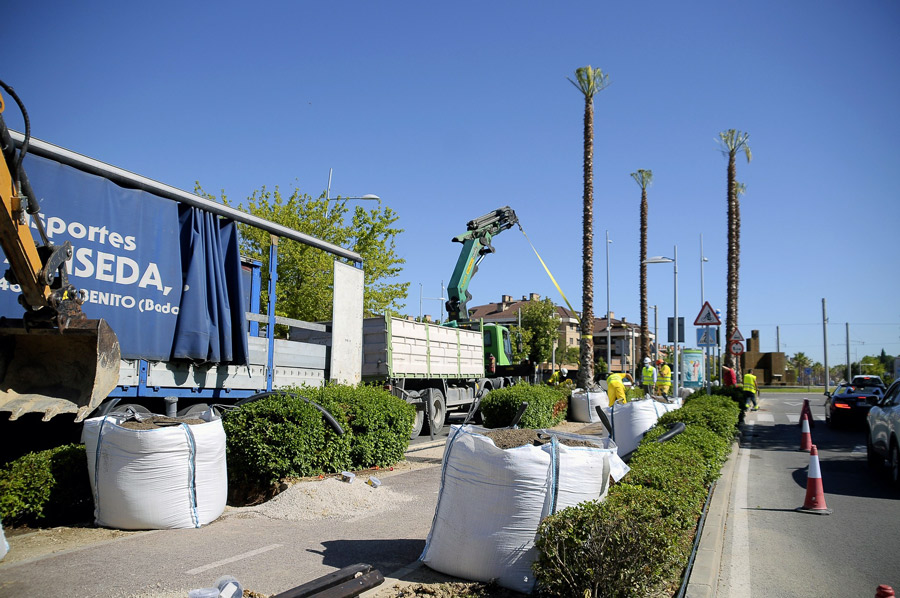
<point>736,347</point>
<point>736,336</point>
<point>706,337</point>
<point>707,316</point>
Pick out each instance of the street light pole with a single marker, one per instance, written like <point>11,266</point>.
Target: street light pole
<point>674,262</point>
<point>702,303</point>
<point>608,322</point>
<point>656,331</point>
<point>367,196</point>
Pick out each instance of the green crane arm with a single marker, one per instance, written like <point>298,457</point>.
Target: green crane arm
<point>476,244</point>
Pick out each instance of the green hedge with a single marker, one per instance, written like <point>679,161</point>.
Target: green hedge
<point>283,436</point>
<point>48,487</point>
<point>637,542</point>
<point>547,406</point>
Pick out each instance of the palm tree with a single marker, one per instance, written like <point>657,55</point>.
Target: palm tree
<point>644,178</point>
<point>589,82</point>
<point>732,142</point>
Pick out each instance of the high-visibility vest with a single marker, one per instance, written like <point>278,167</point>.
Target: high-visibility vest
<point>665,375</point>
<point>614,378</point>
<point>647,375</point>
<point>749,383</point>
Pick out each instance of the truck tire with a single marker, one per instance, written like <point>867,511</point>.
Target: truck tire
<point>438,410</point>
<point>418,422</point>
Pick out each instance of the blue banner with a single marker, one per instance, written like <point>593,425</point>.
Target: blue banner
<point>127,257</point>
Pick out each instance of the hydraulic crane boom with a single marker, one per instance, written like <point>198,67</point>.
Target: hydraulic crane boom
<point>476,244</point>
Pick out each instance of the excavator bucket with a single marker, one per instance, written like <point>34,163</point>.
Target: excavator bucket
<point>43,370</point>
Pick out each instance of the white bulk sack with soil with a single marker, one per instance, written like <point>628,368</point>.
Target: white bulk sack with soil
<point>164,478</point>
<point>4,545</point>
<point>491,501</point>
<point>582,405</point>
<point>631,420</point>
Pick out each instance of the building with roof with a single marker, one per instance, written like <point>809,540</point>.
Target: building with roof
<point>625,336</point>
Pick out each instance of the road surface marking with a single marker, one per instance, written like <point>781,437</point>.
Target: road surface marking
<point>794,418</point>
<point>768,418</point>
<point>739,577</point>
<point>859,449</point>
<point>244,555</point>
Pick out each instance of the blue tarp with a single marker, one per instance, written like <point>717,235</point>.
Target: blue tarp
<point>163,275</point>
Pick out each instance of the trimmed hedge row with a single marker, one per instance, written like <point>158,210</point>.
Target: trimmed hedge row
<point>50,487</point>
<point>637,542</point>
<point>284,436</point>
<point>547,406</point>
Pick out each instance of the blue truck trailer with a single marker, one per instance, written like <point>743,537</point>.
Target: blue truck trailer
<point>162,267</point>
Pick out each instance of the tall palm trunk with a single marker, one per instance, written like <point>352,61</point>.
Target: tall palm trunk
<point>589,81</point>
<point>644,178</point>
<point>586,366</point>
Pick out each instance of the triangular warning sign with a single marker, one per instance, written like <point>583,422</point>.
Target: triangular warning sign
<point>707,316</point>
<point>737,336</point>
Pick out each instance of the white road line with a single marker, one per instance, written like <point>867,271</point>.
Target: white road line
<point>244,555</point>
<point>739,577</point>
<point>794,418</point>
<point>768,418</point>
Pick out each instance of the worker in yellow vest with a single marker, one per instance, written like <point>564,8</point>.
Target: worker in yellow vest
<point>751,391</point>
<point>615,389</point>
<point>648,377</point>
<point>664,380</point>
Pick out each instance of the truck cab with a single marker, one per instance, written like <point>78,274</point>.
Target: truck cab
<point>497,344</point>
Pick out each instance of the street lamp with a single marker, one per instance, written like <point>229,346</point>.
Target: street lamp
<point>608,333</point>
<point>674,261</point>
<point>702,303</point>
<point>367,196</point>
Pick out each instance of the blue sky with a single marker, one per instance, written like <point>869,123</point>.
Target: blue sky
<point>448,111</point>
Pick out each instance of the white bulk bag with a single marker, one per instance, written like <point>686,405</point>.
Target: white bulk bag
<point>164,478</point>
<point>582,405</point>
<point>492,500</point>
<point>631,420</point>
<point>4,545</point>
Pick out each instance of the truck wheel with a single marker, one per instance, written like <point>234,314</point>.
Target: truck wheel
<point>418,422</point>
<point>438,410</point>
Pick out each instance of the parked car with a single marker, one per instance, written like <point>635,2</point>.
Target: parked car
<point>864,381</point>
<point>850,403</point>
<point>883,440</point>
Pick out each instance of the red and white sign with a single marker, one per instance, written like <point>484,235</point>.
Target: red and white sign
<point>735,347</point>
<point>736,336</point>
<point>707,316</point>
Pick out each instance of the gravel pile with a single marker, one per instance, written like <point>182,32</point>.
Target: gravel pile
<point>328,499</point>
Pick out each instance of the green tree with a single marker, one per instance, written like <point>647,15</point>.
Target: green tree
<point>521,343</point>
<point>643,178</point>
<point>589,82</point>
<point>305,274</point>
<point>799,362</point>
<point>732,142</point>
<point>538,318</point>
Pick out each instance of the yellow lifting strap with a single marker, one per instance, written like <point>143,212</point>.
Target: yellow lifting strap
<point>556,284</point>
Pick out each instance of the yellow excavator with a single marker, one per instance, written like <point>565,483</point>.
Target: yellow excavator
<point>54,359</point>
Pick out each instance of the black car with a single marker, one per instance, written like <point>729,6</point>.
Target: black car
<point>848,402</point>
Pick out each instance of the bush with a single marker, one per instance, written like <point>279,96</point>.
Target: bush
<point>47,487</point>
<point>637,542</point>
<point>547,406</point>
<point>714,412</point>
<point>624,546</point>
<point>379,422</point>
<point>713,448</point>
<point>283,436</point>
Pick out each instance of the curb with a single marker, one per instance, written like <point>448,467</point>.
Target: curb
<point>705,572</point>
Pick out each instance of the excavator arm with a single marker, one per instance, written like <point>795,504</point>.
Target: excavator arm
<point>476,243</point>
<point>52,360</point>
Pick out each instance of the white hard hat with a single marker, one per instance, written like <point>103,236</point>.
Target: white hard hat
<point>563,371</point>
<point>646,361</point>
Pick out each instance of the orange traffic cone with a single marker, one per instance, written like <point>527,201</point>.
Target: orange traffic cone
<point>884,591</point>
<point>815,495</point>
<point>805,409</point>
<point>805,436</point>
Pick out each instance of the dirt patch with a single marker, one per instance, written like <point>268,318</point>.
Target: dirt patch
<point>26,544</point>
<point>450,590</point>
<point>512,438</point>
<point>159,421</point>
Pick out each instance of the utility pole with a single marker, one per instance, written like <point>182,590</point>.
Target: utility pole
<point>778,339</point>
<point>608,319</point>
<point>825,340</point>
<point>849,370</point>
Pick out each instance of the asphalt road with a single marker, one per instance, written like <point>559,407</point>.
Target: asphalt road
<point>770,549</point>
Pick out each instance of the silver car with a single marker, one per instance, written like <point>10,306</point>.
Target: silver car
<point>883,441</point>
